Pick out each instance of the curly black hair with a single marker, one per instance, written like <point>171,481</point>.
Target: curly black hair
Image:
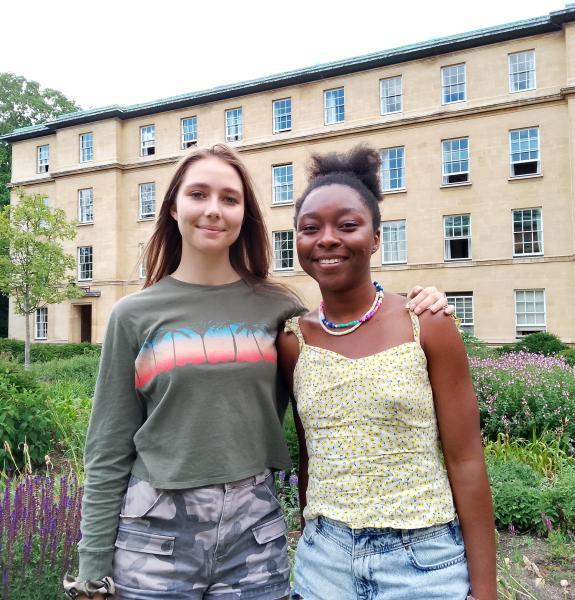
<point>357,169</point>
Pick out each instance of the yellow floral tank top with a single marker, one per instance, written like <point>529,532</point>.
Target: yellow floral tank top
<point>372,438</point>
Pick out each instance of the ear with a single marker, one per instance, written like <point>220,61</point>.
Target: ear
<point>376,240</point>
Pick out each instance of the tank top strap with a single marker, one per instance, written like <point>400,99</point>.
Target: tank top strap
<point>415,326</point>
<point>292,325</point>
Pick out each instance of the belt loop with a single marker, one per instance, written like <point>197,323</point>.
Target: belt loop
<point>261,477</point>
<point>405,537</point>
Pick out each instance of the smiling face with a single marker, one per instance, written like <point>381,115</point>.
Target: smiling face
<point>209,207</point>
<point>335,237</point>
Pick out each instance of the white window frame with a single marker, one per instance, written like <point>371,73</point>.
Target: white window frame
<point>141,259</point>
<point>281,113</point>
<point>86,195</point>
<point>234,122</point>
<point>83,263</point>
<point>395,249</point>
<point>86,147</point>
<point>327,119</point>
<point>387,99</point>
<point>145,191</point>
<point>464,309</point>
<point>447,246</point>
<point>523,232</point>
<point>282,184</point>
<point>43,158</point>
<point>148,140</point>
<point>189,135</point>
<point>387,170</point>
<point>455,157</point>
<point>511,74</point>
<point>41,323</point>
<point>512,162</point>
<point>448,86</point>
<point>279,238</point>
<point>527,328</point>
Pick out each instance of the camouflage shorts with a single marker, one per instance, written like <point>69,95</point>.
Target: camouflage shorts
<point>220,542</point>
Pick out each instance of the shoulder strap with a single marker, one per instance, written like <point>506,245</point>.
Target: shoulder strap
<point>414,325</point>
<point>292,325</point>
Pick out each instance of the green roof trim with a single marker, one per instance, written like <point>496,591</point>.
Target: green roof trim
<point>552,22</point>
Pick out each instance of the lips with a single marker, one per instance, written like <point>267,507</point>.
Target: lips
<point>210,228</point>
<point>330,260</point>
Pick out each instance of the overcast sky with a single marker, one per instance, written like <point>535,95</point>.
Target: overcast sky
<point>129,51</point>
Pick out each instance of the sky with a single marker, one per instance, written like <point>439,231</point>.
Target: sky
<point>124,52</point>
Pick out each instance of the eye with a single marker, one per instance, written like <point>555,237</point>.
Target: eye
<point>348,225</point>
<point>308,228</point>
<point>231,200</point>
<point>196,195</point>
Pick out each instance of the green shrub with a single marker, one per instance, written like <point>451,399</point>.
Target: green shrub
<point>537,343</point>
<point>291,437</point>
<point>560,499</point>
<point>569,356</point>
<point>476,347</point>
<point>12,373</point>
<point>73,376</point>
<point>44,352</point>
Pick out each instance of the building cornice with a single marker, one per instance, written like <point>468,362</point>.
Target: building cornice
<point>554,21</point>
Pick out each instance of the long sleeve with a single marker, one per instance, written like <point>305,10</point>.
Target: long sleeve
<point>117,414</point>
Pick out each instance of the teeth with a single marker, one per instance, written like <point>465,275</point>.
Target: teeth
<point>329,261</point>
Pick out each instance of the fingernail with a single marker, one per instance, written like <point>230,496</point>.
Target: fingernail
<point>417,311</point>
<point>408,306</point>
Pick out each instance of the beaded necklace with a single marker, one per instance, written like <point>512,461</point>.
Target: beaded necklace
<point>352,325</point>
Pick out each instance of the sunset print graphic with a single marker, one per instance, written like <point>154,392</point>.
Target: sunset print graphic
<point>210,344</point>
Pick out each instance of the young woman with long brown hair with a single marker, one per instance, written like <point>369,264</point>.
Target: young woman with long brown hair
<point>186,425</point>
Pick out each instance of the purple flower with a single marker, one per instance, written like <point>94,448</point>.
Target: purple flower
<point>293,481</point>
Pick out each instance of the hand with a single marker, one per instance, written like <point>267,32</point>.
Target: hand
<point>420,299</point>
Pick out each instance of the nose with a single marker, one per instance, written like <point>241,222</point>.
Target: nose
<point>212,207</point>
<point>329,238</point>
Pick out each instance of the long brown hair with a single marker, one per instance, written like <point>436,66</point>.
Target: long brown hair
<point>250,254</point>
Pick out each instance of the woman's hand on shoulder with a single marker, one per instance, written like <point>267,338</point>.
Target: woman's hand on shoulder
<point>421,299</point>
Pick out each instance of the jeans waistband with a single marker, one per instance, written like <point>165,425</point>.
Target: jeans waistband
<point>246,481</point>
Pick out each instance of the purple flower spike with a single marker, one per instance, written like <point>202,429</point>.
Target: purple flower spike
<point>293,480</point>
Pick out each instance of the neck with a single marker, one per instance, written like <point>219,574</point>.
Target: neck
<point>205,269</point>
<point>341,307</point>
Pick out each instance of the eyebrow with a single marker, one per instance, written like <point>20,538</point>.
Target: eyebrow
<point>199,184</point>
<point>341,211</point>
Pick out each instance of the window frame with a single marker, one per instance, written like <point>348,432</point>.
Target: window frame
<point>81,221</point>
<point>142,273</point>
<point>185,144</point>
<point>147,148</point>
<point>399,251</point>
<point>540,231</point>
<point>510,74</point>
<point>401,169</point>
<point>512,174</point>
<point>529,328</point>
<point>335,107</point>
<point>288,185</point>
<point>84,147</point>
<point>141,215</point>
<point>239,124</point>
<point>452,298</point>
<point>444,175</point>
<point>80,264</point>
<point>449,86</point>
<point>386,98</point>
<point>41,322</point>
<point>276,259</point>
<point>276,117</point>
<point>42,162</point>
<point>462,237</point>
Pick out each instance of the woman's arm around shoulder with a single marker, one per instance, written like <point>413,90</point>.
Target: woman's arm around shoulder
<point>458,421</point>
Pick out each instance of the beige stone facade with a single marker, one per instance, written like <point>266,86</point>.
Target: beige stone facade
<point>507,281</point>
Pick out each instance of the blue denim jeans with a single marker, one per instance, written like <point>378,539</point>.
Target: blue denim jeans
<point>334,561</point>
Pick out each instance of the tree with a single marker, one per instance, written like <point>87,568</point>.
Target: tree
<point>34,269</point>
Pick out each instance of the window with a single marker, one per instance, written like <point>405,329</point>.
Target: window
<point>524,152</point>
<point>453,84</point>
<point>189,132</point>
<point>147,200</point>
<point>86,147</point>
<point>393,168</point>
<point>527,232</point>
<point>522,71</point>
<point>43,155</point>
<point>391,94</point>
<point>147,140</point>
<point>529,312</point>
<point>463,303</point>
<point>333,106</point>
<point>84,263</point>
<point>41,324</point>
<point>282,176</point>
<point>282,115</point>
<point>234,125</point>
<point>455,161</point>
<point>86,205</point>
<point>393,242</point>
<point>142,260</point>
<point>283,250</point>
<point>457,237</point>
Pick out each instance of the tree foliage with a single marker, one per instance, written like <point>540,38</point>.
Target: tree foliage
<point>34,269</point>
